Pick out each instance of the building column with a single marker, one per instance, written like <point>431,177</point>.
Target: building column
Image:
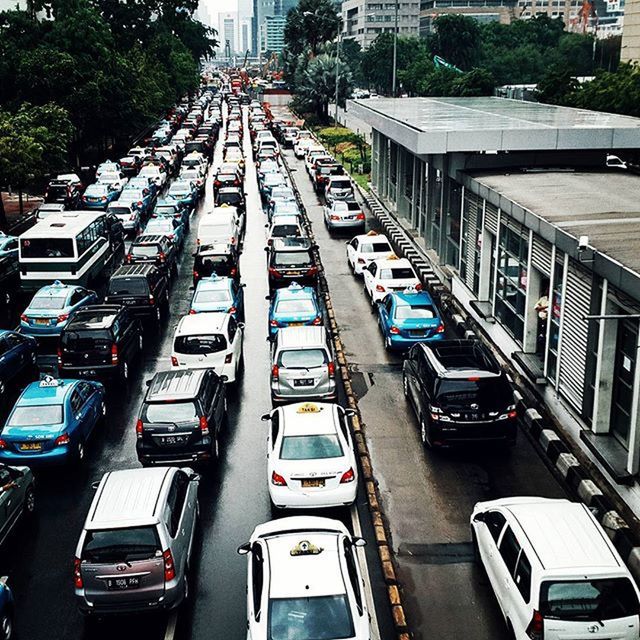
<point>633,459</point>
<point>534,291</point>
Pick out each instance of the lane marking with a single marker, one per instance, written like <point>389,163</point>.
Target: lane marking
<point>172,623</point>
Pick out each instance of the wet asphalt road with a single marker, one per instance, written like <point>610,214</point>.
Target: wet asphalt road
<point>38,557</point>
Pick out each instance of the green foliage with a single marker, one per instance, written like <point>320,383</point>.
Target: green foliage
<point>614,92</point>
<point>320,24</point>
<point>334,136</point>
<point>557,86</point>
<point>457,40</point>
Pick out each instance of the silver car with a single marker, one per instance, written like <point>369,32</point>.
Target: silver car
<point>134,551</point>
<point>344,214</point>
<point>302,365</point>
<point>338,188</point>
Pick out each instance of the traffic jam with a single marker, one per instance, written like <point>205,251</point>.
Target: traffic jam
<point>172,398</point>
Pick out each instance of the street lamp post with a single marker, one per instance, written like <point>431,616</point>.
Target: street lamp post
<point>337,74</point>
<point>395,51</point>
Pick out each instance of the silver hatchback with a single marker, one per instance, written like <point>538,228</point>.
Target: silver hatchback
<point>135,549</point>
<point>302,365</point>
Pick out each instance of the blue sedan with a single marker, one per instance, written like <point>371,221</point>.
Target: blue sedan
<point>49,310</point>
<point>170,227</point>
<point>147,185</point>
<point>8,246</point>
<point>184,192</point>
<point>292,307</point>
<point>138,198</point>
<point>409,317</point>
<point>52,421</point>
<point>98,196</point>
<point>218,293</point>
<point>17,359</point>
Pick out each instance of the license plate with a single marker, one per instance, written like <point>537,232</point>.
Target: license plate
<point>296,324</point>
<point>303,382</point>
<point>294,273</point>
<point>170,440</point>
<point>119,584</point>
<point>417,332</point>
<point>31,446</point>
<point>349,217</point>
<point>129,301</point>
<point>42,321</point>
<point>87,372</point>
<point>313,483</point>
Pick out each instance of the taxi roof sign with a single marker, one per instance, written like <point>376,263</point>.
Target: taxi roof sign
<point>50,381</point>
<point>392,256</point>
<point>308,407</point>
<point>410,289</point>
<point>306,548</point>
<point>372,233</point>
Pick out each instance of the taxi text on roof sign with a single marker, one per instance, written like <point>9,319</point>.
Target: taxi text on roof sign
<point>308,407</point>
<point>49,381</point>
<point>306,548</point>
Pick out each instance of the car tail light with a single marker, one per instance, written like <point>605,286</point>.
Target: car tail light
<point>278,480</point>
<point>233,240</point>
<point>332,217</point>
<point>360,216</point>
<point>361,261</point>
<point>236,183</point>
<point>24,318</point>
<point>274,323</point>
<point>228,358</point>
<point>216,183</point>
<point>348,476</point>
<point>174,361</point>
<point>512,414</point>
<point>77,574</point>
<point>204,426</point>
<point>274,272</point>
<point>192,312</point>
<point>231,310</point>
<point>59,356</point>
<point>162,256</point>
<point>129,258</point>
<point>62,439</point>
<point>312,272</point>
<point>331,368</point>
<point>152,300</point>
<point>535,630</point>
<point>233,271</point>
<point>103,198</point>
<point>139,428</point>
<point>275,373</point>
<point>3,444</point>
<point>169,567</point>
<point>317,321</point>
<point>380,288</point>
<point>171,237</point>
<point>196,275</point>
<point>140,203</point>
<point>419,286</point>
<point>394,330</point>
<point>63,317</point>
<point>114,354</point>
<point>132,216</point>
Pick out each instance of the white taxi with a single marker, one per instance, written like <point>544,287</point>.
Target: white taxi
<point>304,581</point>
<point>389,274</point>
<point>310,459</point>
<point>363,249</point>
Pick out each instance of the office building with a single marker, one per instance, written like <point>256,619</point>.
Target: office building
<point>631,32</point>
<point>272,34</point>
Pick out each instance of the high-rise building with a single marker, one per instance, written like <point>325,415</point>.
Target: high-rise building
<point>228,31</point>
<point>631,32</point>
<point>272,34</point>
<point>365,20</point>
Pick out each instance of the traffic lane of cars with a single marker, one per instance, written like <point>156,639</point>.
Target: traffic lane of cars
<point>428,496</point>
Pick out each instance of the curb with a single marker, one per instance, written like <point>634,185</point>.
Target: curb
<point>552,446</point>
<point>385,551</point>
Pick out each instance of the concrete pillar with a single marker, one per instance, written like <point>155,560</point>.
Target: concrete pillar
<point>633,459</point>
<point>375,154</point>
<point>485,263</point>
<point>534,291</point>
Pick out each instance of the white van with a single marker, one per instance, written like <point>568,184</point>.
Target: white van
<point>211,340</point>
<point>555,572</point>
<point>221,226</point>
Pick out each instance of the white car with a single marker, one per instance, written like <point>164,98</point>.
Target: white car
<point>151,171</point>
<point>301,146</point>
<point>312,154</point>
<point>363,249</point>
<point>127,214</point>
<point>211,340</point>
<point>193,175</point>
<point>114,178</point>
<point>389,274</point>
<point>310,458</point>
<point>286,226</point>
<point>221,226</point>
<point>304,581</point>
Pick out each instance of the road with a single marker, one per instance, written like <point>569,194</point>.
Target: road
<point>38,558</point>
<point>427,496</point>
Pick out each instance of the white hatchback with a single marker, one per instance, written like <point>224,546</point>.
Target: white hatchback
<point>304,581</point>
<point>386,275</point>
<point>211,340</point>
<point>364,249</point>
<point>310,459</point>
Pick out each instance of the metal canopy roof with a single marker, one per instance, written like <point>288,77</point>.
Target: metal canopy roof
<point>446,125</point>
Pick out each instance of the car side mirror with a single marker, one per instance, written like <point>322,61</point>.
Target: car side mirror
<point>351,412</point>
<point>242,285</point>
<point>266,248</point>
<point>95,485</point>
<point>244,549</point>
<point>479,517</point>
<point>268,297</point>
<point>359,542</point>
<point>194,254</point>
<point>194,476</point>
<point>265,417</point>
<point>148,382</point>
<point>241,325</point>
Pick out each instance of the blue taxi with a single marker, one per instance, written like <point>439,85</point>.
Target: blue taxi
<point>292,307</point>
<point>409,317</point>
<point>49,310</point>
<point>218,293</point>
<point>183,191</point>
<point>51,421</point>
<point>7,608</point>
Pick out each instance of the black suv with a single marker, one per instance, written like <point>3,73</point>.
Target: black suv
<point>181,417</point>
<point>156,250</point>
<point>65,192</point>
<point>291,260</point>
<point>99,342</point>
<point>459,394</point>
<point>221,259</point>
<point>142,288</point>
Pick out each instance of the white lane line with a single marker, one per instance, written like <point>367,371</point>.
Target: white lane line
<point>357,530</point>
<point>172,623</point>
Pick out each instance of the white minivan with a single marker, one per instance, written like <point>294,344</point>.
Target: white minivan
<point>221,226</point>
<point>555,572</point>
<point>211,340</point>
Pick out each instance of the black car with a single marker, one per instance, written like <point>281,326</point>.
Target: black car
<point>65,192</point>
<point>142,288</point>
<point>156,250</point>
<point>17,361</point>
<point>233,196</point>
<point>181,417</point>
<point>221,259</point>
<point>459,394</point>
<point>291,260</point>
<point>227,176</point>
<point>100,342</point>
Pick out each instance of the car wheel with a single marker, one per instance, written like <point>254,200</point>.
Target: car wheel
<point>80,452</point>
<point>29,504</point>
<point>140,343</point>
<point>387,343</point>
<point>216,447</point>
<point>125,372</point>
<point>6,626</point>
<point>424,433</point>
<point>2,388</point>
<point>405,386</point>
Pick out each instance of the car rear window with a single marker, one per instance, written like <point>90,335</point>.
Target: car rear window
<point>310,618</point>
<point>172,412</point>
<point>285,231</point>
<point>488,393</point>
<point>120,211</point>
<point>314,447</point>
<point>291,259</point>
<point>49,302</point>
<point>36,416</point>
<point>375,247</point>
<point>219,295</point>
<point>415,311</point>
<point>302,358</point>
<point>56,192</point>
<point>397,273</point>
<point>128,286</point>
<point>165,209</point>
<point>145,250</point>
<point>121,545</point>
<point>340,184</point>
<point>200,345</point>
<point>294,307</point>
<point>229,198</point>
<point>591,600</point>
<point>88,340</point>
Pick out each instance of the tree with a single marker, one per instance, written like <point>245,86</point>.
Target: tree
<point>557,86</point>
<point>617,92</point>
<point>415,75</point>
<point>457,40</point>
<point>317,85</point>
<point>477,82</point>
<point>310,24</point>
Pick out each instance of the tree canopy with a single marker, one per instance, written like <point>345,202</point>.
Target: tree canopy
<point>310,24</point>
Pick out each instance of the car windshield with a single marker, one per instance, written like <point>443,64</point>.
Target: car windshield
<point>285,231</point>
<point>165,209</point>
<point>172,412</point>
<point>291,259</point>
<point>415,312</point>
<point>375,247</point>
<point>121,545</point>
<point>313,447</point>
<point>317,618</point>
<point>229,198</point>
<point>145,250</point>
<point>48,302</point>
<point>340,184</point>
<point>36,416</point>
<point>591,600</point>
<point>200,345</point>
<point>128,286</point>
<point>302,358</point>
<point>397,273</point>
<point>295,307</point>
<point>217,295</point>
<point>46,248</point>
<point>120,211</point>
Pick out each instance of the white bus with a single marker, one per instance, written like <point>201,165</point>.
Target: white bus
<point>76,247</point>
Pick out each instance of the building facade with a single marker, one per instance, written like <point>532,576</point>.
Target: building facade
<point>513,201</point>
<point>503,11</point>
<point>272,34</point>
<point>631,32</point>
<point>364,20</point>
